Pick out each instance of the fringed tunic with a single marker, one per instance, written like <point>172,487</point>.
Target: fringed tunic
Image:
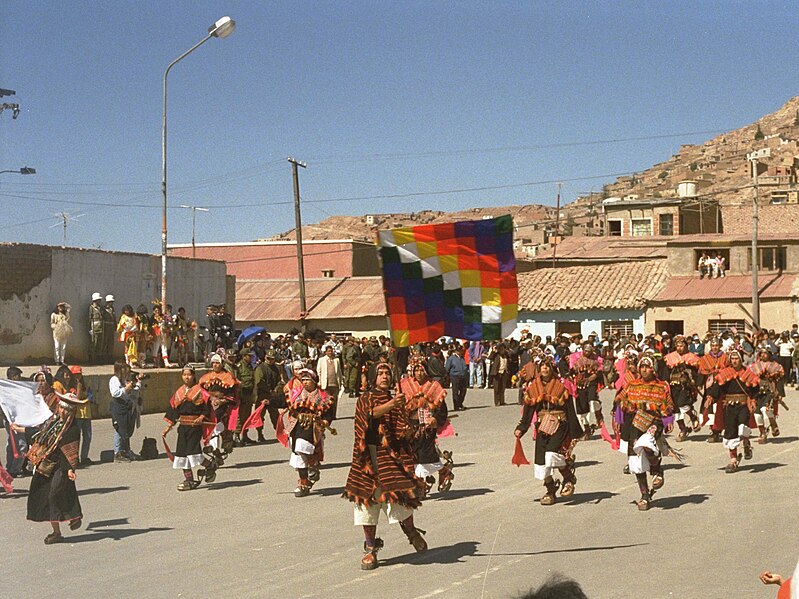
<point>381,456</point>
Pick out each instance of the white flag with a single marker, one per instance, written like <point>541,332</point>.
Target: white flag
<point>22,404</point>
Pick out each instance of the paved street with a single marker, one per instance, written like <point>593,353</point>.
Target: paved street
<point>708,534</point>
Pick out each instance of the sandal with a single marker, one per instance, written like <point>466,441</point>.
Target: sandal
<point>761,440</point>
<point>657,481</point>
<point>416,539</point>
<point>731,467</point>
<point>643,504</point>
<point>75,524</point>
<point>747,452</point>
<point>188,485</point>
<point>53,537</point>
<point>369,559</point>
<point>775,431</point>
<point>445,480</point>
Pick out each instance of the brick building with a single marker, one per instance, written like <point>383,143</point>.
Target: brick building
<point>333,258</point>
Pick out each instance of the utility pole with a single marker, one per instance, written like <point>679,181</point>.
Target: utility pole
<point>194,210</point>
<point>557,228</point>
<point>298,225</point>
<point>755,256</point>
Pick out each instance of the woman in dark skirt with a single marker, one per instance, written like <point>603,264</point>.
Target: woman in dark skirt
<point>53,451</point>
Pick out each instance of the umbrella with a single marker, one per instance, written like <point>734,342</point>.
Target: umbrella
<point>249,333</point>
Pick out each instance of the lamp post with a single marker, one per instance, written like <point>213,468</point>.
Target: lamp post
<point>25,170</point>
<point>221,29</point>
<point>194,210</point>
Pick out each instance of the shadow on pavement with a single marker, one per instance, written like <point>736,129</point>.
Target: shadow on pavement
<point>755,468</point>
<point>114,534</point>
<point>586,463</point>
<point>255,464</point>
<point>675,466</point>
<point>572,550</point>
<point>670,503</point>
<point>460,494</point>
<point>334,465</point>
<point>101,491</point>
<point>782,440</point>
<point>104,523</point>
<point>231,484</point>
<point>436,555</point>
<point>580,498</point>
<point>328,492</point>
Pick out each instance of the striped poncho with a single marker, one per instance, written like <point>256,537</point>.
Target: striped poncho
<point>395,463</point>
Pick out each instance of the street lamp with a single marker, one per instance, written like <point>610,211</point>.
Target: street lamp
<point>194,210</point>
<point>25,170</point>
<point>221,29</point>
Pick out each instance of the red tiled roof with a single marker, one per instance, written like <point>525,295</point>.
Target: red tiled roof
<point>727,288</point>
<point>624,285</point>
<point>605,248</point>
<point>259,300</point>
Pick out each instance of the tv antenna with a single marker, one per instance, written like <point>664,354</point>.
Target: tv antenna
<point>65,218</point>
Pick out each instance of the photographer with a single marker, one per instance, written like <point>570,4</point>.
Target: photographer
<point>124,387</point>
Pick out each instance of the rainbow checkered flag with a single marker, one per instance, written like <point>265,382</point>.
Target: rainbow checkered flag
<point>452,279</point>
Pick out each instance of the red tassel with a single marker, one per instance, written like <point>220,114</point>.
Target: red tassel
<point>280,432</point>
<point>519,459</point>
<point>255,419</point>
<point>6,480</point>
<point>603,431</point>
<point>168,451</point>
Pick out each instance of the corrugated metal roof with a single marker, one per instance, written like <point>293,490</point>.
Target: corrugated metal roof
<point>603,248</point>
<point>624,285</point>
<point>731,287</point>
<point>259,300</point>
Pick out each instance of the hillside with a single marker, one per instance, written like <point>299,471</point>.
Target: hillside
<point>719,167</point>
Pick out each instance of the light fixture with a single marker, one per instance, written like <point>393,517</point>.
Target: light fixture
<point>222,28</point>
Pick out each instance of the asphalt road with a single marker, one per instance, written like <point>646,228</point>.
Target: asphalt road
<point>708,533</point>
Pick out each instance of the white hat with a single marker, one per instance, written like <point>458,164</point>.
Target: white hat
<point>96,296</point>
<point>109,298</point>
<point>216,358</point>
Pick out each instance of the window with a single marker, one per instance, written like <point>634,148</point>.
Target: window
<point>712,252</point>
<point>666,224</point>
<point>772,258</point>
<point>570,327</point>
<point>328,273</point>
<point>617,328</point>
<point>672,327</point>
<point>641,227</point>
<point>719,326</point>
<point>614,227</point>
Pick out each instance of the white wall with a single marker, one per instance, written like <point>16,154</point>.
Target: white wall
<point>544,323</point>
<point>75,274</point>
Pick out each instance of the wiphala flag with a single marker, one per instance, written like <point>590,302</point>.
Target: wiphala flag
<point>452,279</point>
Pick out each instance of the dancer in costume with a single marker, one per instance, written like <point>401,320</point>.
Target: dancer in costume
<point>646,404</point>
<point>308,413</point>
<point>557,429</point>
<point>682,374</point>
<point>128,330</point>
<point>381,477</point>
<point>190,409</point>
<point>427,413</point>
<point>223,388</point>
<point>709,365</point>
<point>734,392</point>
<point>772,390</point>
<point>627,370</point>
<point>53,452</point>
<point>586,368</point>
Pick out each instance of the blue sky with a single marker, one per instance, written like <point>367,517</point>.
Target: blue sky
<point>378,98</point>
